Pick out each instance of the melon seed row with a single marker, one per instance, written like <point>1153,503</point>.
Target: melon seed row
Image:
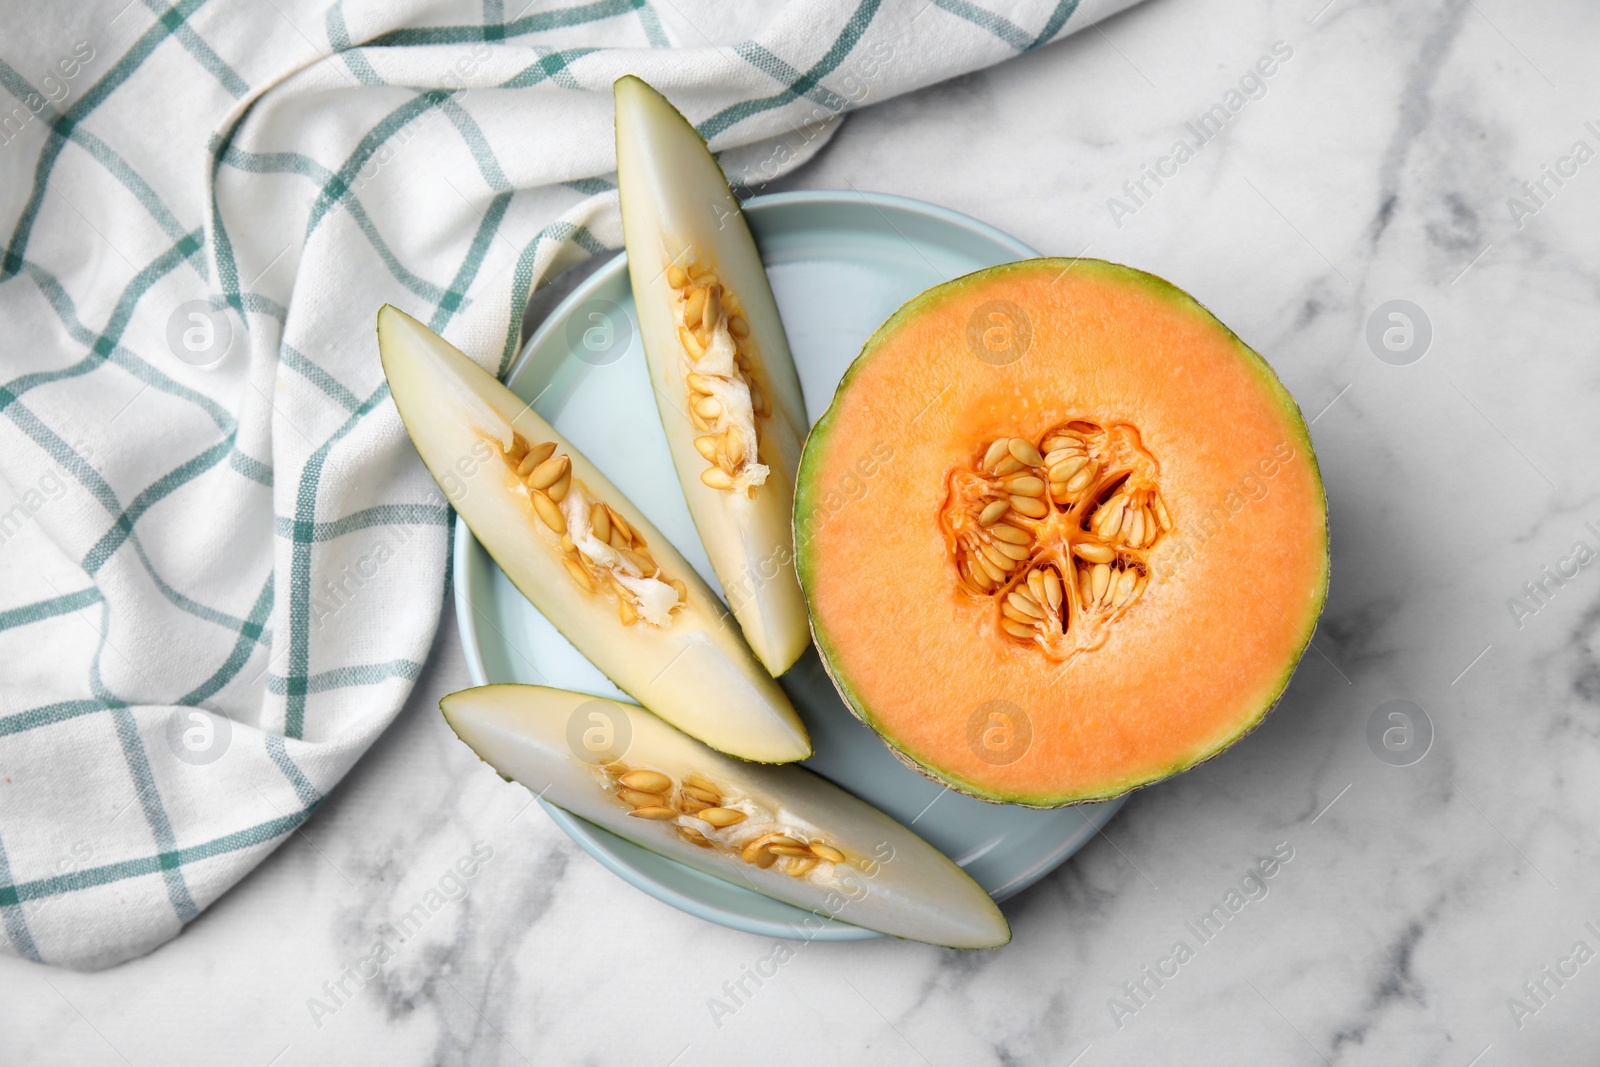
<point>653,795</point>
<point>548,478</point>
<point>703,306</point>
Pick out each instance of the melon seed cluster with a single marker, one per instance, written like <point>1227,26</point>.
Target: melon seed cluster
<point>695,805</point>
<point>1057,533</point>
<point>724,397</point>
<point>607,553</point>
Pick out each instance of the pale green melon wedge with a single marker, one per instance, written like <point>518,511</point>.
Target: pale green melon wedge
<point>724,380</point>
<point>781,831</point>
<point>617,589</point>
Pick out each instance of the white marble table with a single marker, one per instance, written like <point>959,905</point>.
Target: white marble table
<point>1374,164</point>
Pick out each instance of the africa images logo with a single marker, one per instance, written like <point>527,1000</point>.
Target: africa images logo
<point>1252,85</point>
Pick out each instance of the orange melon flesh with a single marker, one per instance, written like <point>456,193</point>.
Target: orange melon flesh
<point>1234,588</point>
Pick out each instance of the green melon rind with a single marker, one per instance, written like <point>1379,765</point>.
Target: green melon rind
<point>807,491</point>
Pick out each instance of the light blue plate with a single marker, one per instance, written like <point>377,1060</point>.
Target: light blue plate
<point>840,264</point>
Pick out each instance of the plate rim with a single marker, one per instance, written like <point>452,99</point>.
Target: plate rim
<point>589,836</point>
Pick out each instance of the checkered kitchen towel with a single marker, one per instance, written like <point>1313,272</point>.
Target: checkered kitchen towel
<point>221,564</point>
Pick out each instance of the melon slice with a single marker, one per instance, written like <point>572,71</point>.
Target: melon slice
<point>724,380</point>
<point>781,831</point>
<point>581,552</point>
<point>1097,550</point>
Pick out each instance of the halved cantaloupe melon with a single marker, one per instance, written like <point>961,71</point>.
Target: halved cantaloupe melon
<point>724,381</point>
<point>1092,545</point>
<point>581,552</point>
<point>781,831</point>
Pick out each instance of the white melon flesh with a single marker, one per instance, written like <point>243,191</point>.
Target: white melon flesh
<point>677,211</point>
<point>681,658</point>
<point>878,874</point>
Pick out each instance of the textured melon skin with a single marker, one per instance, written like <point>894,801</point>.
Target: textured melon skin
<point>811,489</point>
